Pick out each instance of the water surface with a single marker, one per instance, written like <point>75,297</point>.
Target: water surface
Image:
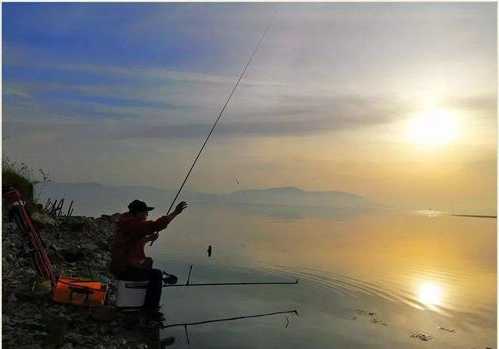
<point>367,279</point>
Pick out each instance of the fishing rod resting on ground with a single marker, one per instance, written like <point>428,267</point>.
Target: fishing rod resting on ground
<point>237,283</point>
<point>219,116</point>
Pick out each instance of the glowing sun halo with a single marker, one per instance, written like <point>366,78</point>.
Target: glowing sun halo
<point>430,293</point>
<point>434,127</point>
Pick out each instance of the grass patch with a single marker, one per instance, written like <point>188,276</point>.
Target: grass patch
<point>20,176</point>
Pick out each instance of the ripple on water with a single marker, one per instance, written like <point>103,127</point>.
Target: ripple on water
<point>427,297</point>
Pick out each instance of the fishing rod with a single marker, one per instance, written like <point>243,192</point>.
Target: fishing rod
<point>219,116</point>
<point>237,283</point>
<point>189,284</point>
<point>197,323</point>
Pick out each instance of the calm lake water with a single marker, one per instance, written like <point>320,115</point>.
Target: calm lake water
<point>367,279</point>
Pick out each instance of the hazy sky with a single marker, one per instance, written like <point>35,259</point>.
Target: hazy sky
<point>125,94</point>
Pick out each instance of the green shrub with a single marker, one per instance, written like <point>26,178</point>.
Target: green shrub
<point>18,181</point>
<point>20,176</point>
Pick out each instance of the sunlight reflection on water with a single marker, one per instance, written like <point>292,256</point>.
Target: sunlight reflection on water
<point>430,293</point>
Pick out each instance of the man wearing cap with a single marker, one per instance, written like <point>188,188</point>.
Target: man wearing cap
<point>128,260</point>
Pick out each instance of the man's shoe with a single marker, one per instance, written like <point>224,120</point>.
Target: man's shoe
<point>166,342</point>
<point>169,279</point>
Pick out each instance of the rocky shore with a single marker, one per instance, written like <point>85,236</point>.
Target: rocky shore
<point>79,247</point>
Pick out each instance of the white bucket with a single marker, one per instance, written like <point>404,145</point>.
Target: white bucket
<point>131,293</point>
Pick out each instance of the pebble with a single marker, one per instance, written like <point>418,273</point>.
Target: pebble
<point>422,336</point>
<point>447,329</point>
<point>371,315</point>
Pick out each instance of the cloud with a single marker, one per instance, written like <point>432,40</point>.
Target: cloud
<point>483,103</point>
<point>285,115</point>
<point>13,91</point>
<point>187,107</point>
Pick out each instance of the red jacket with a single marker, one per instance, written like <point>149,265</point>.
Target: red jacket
<point>128,242</point>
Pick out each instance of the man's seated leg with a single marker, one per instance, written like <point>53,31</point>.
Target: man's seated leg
<point>153,294</point>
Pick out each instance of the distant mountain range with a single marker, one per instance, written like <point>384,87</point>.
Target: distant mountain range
<point>295,197</point>
<point>94,199</point>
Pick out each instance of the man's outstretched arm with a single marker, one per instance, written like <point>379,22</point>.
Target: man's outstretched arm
<point>142,229</point>
<point>162,222</point>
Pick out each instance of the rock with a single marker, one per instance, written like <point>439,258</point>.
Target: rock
<point>54,255</point>
<point>74,224</point>
<point>12,298</point>
<point>31,324</point>
<point>10,227</point>
<point>104,245</point>
<point>56,328</point>
<point>42,220</point>
<point>75,338</point>
<point>90,247</point>
<point>43,288</point>
<point>422,336</point>
<point>25,295</point>
<point>104,313</point>
<point>451,330</point>
<point>31,346</point>
<point>72,254</point>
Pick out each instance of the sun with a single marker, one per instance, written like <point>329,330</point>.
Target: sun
<point>430,293</point>
<point>432,128</point>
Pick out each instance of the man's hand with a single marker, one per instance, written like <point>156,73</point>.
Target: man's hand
<point>152,237</point>
<point>155,236</point>
<point>180,207</point>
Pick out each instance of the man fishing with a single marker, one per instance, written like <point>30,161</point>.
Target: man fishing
<point>128,260</point>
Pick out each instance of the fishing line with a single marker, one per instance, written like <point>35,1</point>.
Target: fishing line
<point>220,114</point>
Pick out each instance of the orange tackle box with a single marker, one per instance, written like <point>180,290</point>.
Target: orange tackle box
<point>79,291</point>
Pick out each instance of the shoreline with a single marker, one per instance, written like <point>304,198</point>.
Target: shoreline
<point>77,246</point>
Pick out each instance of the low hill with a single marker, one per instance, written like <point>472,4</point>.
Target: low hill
<point>94,199</point>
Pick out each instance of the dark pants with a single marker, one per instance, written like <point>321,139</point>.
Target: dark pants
<point>155,278</point>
